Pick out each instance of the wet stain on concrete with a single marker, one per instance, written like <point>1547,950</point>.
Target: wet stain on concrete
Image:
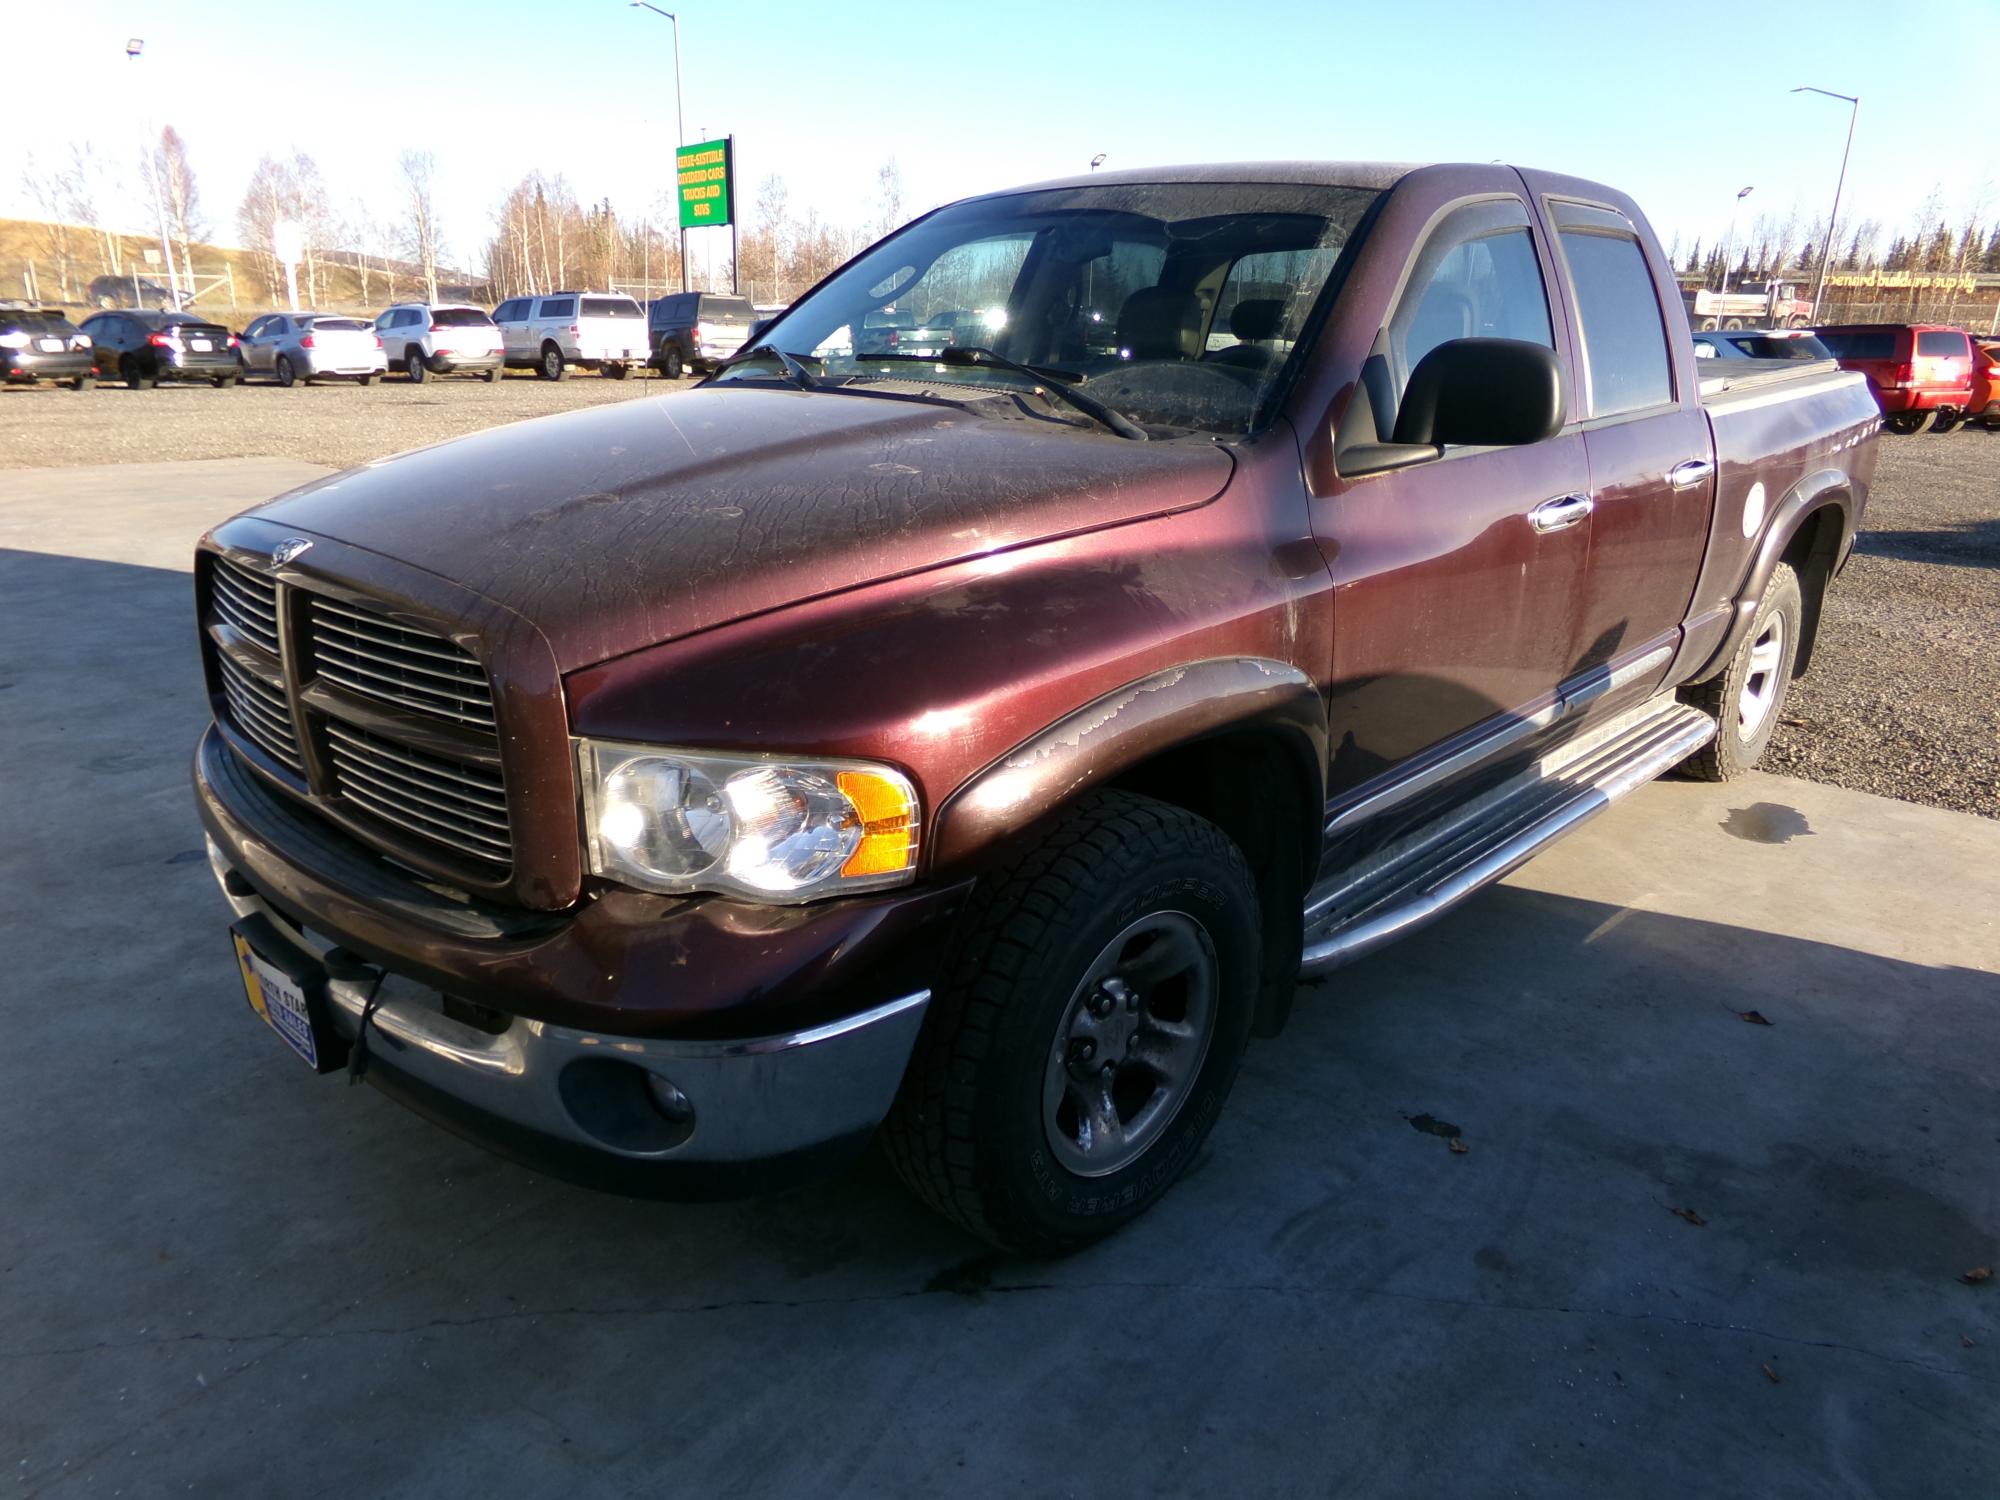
<point>1433,1126</point>
<point>1766,823</point>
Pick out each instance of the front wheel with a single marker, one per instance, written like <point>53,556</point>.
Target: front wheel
<point>670,363</point>
<point>1746,700</point>
<point>1087,1030</point>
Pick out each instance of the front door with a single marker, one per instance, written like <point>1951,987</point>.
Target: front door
<point>1458,582</point>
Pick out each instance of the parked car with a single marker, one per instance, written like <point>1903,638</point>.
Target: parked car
<point>308,346</point>
<point>1917,370</point>
<point>697,330</point>
<point>144,348</point>
<point>42,344</point>
<point>441,339</point>
<point>132,291</point>
<point>1760,343</point>
<point>970,747</point>
<point>602,331</point>
<point>1983,405</point>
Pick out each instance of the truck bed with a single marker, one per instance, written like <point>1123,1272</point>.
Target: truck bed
<point>1745,375</point>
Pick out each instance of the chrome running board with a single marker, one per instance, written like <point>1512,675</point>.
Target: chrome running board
<point>1418,878</point>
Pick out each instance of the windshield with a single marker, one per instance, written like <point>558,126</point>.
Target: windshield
<point>1179,305</point>
<point>459,317</point>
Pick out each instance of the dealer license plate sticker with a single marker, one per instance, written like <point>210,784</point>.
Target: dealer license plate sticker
<point>278,999</point>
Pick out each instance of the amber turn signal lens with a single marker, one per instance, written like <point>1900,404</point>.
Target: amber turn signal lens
<point>888,824</point>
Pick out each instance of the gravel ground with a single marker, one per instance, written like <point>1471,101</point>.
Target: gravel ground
<point>1903,698</point>
<point>338,423</point>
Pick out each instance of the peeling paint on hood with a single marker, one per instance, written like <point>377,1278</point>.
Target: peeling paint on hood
<point>629,525</point>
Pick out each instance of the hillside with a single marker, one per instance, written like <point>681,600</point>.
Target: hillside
<point>230,282</point>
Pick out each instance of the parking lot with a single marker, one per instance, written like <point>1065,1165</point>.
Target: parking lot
<point>1685,1253</point>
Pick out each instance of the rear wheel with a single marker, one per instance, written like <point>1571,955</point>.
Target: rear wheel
<point>670,363</point>
<point>1747,699</point>
<point>614,372</point>
<point>413,366</point>
<point>1945,420</point>
<point>1087,1030</point>
<point>1904,423</point>
<point>552,366</point>
<point>288,374</point>
<point>1732,322</point>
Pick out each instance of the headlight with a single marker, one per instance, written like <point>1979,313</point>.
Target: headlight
<point>769,829</point>
<point>81,341</point>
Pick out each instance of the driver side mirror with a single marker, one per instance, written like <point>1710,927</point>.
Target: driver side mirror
<point>1486,393</point>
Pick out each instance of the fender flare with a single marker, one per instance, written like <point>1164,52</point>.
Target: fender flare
<point>1117,731</point>
<point>1821,490</point>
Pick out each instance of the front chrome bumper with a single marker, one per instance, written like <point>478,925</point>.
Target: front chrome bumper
<point>578,1102</point>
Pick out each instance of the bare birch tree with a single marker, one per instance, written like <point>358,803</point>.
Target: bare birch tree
<point>420,227</point>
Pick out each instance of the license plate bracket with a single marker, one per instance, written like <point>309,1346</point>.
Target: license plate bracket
<point>286,986</point>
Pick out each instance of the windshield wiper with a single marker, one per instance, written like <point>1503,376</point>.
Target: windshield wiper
<point>978,354</point>
<point>794,367</point>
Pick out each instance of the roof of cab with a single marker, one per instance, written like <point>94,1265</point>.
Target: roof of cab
<point>1361,174</point>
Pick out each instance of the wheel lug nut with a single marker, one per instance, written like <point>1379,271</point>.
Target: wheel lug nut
<point>1082,1052</point>
<point>1108,1070</point>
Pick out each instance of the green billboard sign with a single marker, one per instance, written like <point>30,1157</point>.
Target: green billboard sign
<point>706,183</point>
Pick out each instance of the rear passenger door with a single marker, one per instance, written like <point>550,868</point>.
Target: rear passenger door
<point>1648,444</point>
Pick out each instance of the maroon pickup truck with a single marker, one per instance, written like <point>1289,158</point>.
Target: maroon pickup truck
<point>971,749</point>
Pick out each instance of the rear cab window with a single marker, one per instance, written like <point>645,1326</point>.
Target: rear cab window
<point>609,307</point>
<point>1626,364</point>
<point>1872,345</point>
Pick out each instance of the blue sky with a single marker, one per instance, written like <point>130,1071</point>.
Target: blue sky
<point>1680,105</point>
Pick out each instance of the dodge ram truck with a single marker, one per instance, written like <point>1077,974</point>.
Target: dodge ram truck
<point>970,750</point>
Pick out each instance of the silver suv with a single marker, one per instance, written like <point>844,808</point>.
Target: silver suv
<point>602,331</point>
<point>425,338</point>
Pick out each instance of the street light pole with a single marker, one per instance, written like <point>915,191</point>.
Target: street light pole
<point>1731,235</point>
<point>680,122</point>
<point>135,48</point>
<point>1833,224</point>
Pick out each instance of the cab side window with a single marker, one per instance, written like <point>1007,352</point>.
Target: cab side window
<point>1476,277</point>
<point>1617,308</point>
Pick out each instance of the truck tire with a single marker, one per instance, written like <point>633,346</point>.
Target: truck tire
<point>1087,1028</point>
<point>1903,423</point>
<point>1732,322</point>
<point>670,363</point>
<point>1946,419</point>
<point>1747,699</point>
<point>551,366</point>
<point>1708,325</point>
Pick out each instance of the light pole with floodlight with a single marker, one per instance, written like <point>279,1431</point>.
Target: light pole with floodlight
<point>1727,238</point>
<point>1833,223</point>
<point>680,124</point>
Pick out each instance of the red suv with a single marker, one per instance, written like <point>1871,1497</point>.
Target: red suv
<point>1915,369</point>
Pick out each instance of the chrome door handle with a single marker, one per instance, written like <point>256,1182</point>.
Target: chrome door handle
<point>1560,513</point>
<point>1686,476</point>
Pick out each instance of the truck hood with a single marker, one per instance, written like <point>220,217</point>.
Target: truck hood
<point>637,523</point>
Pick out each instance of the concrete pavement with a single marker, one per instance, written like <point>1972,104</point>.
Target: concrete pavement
<point>219,1275</point>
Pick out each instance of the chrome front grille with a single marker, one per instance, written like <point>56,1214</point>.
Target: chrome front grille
<point>260,711</point>
<point>401,743</point>
<point>369,655</point>
<point>452,802</point>
<point>247,602</point>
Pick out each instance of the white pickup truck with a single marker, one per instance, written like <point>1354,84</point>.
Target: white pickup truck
<point>602,331</point>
